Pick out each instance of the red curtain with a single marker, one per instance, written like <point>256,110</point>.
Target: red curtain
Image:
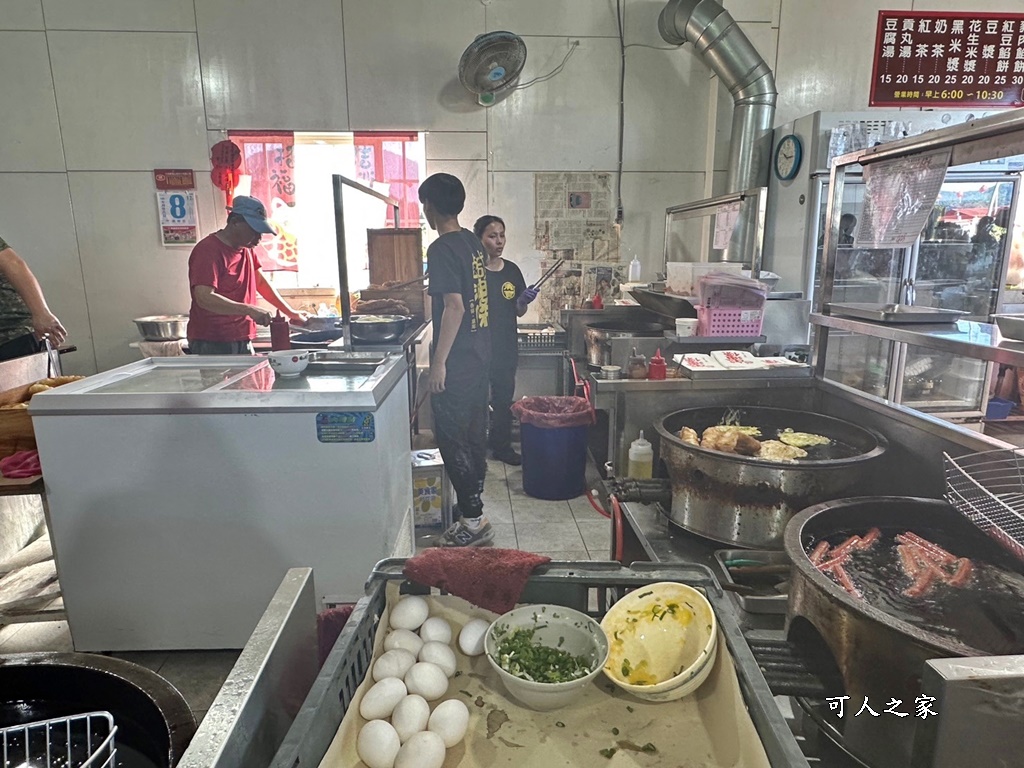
<point>269,158</point>
<point>382,157</point>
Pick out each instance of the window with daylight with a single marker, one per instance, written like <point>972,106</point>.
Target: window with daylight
<point>291,173</point>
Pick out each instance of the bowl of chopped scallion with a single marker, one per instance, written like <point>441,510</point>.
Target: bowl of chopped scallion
<point>663,641</point>
<point>546,655</point>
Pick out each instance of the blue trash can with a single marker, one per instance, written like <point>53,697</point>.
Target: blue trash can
<point>554,444</point>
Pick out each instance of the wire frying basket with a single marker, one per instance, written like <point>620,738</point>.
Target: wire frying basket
<point>80,741</point>
<point>988,489</point>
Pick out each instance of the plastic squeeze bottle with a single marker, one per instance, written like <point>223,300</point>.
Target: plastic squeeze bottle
<point>657,368</point>
<point>634,269</point>
<point>641,458</point>
<point>280,338</point>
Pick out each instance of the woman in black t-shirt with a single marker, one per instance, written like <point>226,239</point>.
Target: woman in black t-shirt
<point>508,298</point>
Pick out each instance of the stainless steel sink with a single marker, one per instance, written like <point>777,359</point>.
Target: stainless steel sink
<point>335,361</point>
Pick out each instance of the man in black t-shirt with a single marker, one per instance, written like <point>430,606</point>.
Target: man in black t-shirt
<point>460,355</point>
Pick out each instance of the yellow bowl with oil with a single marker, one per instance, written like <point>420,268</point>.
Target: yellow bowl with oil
<point>662,639</point>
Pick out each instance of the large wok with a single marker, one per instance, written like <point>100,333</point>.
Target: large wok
<point>879,648</point>
<point>747,502</point>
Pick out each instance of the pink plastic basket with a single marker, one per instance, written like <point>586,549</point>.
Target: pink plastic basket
<point>729,321</point>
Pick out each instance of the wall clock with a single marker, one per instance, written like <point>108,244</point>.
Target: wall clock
<point>788,155</point>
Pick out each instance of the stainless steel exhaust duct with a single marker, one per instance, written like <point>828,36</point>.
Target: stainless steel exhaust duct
<point>719,40</point>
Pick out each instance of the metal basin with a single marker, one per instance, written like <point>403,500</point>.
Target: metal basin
<point>747,502</point>
<point>162,327</point>
<point>377,329</point>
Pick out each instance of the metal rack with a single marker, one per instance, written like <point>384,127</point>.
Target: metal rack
<point>80,741</point>
<point>988,489</point>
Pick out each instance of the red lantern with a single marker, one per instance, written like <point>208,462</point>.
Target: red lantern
<point>227,159</point>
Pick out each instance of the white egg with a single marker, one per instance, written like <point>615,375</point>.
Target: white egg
<point>449,720</point>
<point>410,612</point>
<point>380,701</point>
<point>422,750</point>
<point>426,679</point>
<point>436,630</point>
<point>471,638</point>
<point>405,639</point>
<point>393,664</point>
<point>410,716</point>
<point>378,744</point>
<point>440,654</point>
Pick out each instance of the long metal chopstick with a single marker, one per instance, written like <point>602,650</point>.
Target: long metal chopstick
<point>549,273</point>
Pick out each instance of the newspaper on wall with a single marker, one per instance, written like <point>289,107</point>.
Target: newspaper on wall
<point>576,212</point>
<point>576,281</point>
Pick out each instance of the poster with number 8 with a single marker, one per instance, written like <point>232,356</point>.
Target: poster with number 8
<point>179,224</point>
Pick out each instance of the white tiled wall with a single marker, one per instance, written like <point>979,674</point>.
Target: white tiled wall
<point>107,90</point>
<point>127,272</point>
<point>21,14</point>
<point>402,60</point>
<point>567,123</point>
<point>30,133</point>
<point>129,100</point>
<point>278,65</point>
<point>121,15</point>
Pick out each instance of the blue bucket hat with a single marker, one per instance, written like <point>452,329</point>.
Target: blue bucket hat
<point>254,213</point>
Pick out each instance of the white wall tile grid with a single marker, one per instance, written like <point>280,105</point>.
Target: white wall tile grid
<point>110,89</point>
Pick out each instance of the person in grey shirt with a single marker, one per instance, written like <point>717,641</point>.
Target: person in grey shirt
<point>25,318</point>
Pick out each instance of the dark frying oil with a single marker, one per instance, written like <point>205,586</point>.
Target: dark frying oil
<point>986,614</point>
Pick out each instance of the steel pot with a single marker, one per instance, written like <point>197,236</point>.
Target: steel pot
<point>599,337</point>
<point>878,654</point>
<point>316,323</point>
<point>747,502</point>
<point>378,329</point>
<point>162,327</point>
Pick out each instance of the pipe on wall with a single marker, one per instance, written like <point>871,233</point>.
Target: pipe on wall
<point>720,42</point>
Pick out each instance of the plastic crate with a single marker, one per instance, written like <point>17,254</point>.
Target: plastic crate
<point>729,321</point>
<point>530,336</point>
<point>589,587</point>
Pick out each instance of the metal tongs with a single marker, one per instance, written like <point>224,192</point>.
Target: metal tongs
<point>554,268</point>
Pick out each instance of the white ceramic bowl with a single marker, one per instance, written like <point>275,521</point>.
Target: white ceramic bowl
<point>557,627</point>
<point>663,639</point>
<point>289,362</point>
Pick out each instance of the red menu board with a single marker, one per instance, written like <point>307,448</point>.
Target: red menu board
<point>948,59</point>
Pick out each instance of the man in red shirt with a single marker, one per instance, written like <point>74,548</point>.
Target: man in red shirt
<point>224,278</point>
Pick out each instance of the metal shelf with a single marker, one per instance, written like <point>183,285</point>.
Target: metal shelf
<point>980,341</point>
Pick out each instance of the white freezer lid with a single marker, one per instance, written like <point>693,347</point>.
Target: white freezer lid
<point>217,383</point>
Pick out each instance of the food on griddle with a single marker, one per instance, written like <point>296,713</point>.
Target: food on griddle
<point>774,450</point>
<point>925,563</point>
<point>802,439</point>
<point>688,435</point>
<point>833,561</point>
<point>730,440</point>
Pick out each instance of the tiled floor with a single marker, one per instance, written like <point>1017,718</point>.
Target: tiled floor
<point>562,530</point>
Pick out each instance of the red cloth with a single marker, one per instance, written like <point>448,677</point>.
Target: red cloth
<point>231,274</point>
<point>329,624</point>
<point>21,464</point>
<point>487,577</point>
